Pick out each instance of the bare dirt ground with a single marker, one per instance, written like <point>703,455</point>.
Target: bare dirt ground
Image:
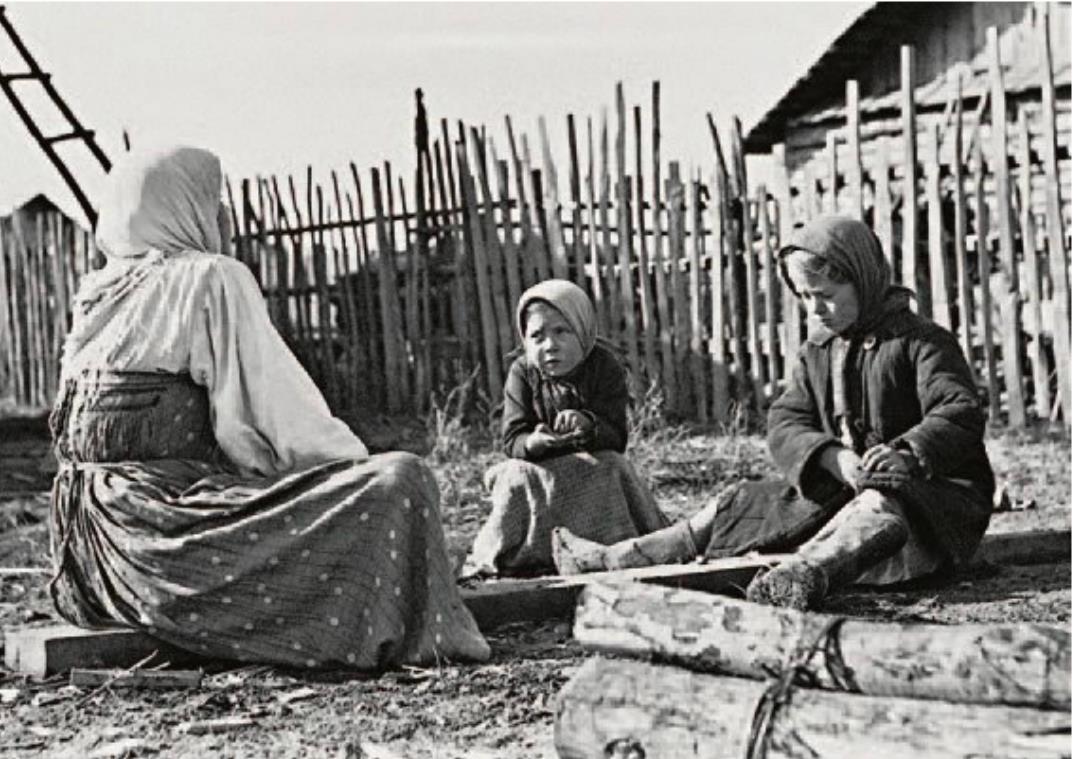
<point>503,708</point>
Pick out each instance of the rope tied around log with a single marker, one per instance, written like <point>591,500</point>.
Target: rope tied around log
<point>797,672</point>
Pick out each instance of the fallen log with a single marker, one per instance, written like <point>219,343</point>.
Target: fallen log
<point>1020,664</point>
<point>630,708</point>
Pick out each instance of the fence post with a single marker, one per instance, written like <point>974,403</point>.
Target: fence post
<point>645,291</point>
<point>854,166</point>
<point>1038,364</point>
<point>623,221</point>
<point>718,357</point>
<point>910,171</point>
<point>1012,337</point>
<point>1058,264</point>
<point>985,269</point>
<point>939,310</point>
<point>790,305</point>
<point>959,199</point>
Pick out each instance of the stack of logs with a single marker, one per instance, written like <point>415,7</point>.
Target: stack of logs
<point>709,684</point>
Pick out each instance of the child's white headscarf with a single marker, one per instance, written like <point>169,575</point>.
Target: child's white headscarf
<point>570,300</point>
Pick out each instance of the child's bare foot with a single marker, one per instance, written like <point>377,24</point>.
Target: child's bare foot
<point>573,555</point>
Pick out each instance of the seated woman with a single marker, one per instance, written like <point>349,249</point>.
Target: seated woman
<point>879,435</point>
<point>565,429</point>
<point>206,494</point>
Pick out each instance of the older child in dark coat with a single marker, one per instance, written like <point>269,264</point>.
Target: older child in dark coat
<point>879,436</point>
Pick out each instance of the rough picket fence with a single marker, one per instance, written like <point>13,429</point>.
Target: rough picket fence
<point>391,290</point>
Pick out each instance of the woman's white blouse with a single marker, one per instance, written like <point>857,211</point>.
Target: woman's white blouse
<point>204,314</point>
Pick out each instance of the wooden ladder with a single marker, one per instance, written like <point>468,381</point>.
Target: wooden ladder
<point>33,73</point>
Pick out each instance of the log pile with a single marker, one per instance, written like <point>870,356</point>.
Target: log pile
<point>727,678</point>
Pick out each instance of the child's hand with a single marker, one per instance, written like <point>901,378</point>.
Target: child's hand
<point>842,463</point>
<point>572,421</point>
<point>885,458</point>
<point>543,441</point>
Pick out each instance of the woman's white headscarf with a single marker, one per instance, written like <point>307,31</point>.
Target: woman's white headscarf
<point>156,203</point>
<point>164,200</point>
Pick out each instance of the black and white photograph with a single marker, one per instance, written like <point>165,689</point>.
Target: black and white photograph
<point>536,380</point>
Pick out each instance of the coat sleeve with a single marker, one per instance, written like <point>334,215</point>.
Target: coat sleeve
<point>796,434</point>
<point>608,406</point>
<point>268,415</point>
<point>953,423</point>
<point>519,417</point>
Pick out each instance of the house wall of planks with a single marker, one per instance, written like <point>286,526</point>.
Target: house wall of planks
<point>391,289</point>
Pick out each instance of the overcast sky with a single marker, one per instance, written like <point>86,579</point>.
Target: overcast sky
<point>273,87</point>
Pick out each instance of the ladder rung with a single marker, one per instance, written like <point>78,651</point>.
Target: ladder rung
<point>25,75</point>
<point>78,134</point>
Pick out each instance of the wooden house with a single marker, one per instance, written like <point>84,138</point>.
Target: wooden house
<point>951,54</point>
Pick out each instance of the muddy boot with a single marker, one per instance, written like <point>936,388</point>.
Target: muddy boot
<point>859,537</point>
<point>573,555</point>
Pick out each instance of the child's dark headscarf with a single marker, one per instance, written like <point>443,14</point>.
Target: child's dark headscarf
<point>850,247</point>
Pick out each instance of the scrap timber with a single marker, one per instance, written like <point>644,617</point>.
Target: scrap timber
<point>623,707</point>
<point>1018,664</point>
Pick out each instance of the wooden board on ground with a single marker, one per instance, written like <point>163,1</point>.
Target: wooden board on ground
<point>1030,547</point>
<point>45,651</point>
<point>498,602</point>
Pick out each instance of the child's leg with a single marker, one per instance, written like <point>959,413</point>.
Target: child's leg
<point>868,530</point>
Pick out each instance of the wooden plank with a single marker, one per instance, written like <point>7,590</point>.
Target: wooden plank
<point>790,304</point>
<point>940,309</point>
<point>553,230</point>
<point>608,252</point>
<point>832,166</point>
<point>526,210</point>
<point>539,240</point>
<point>1026,547</point>
<point>645,292</point>
<point>768,275</point>
<point>722,399</point>
<point>494,257</point>
<point>1035,328</point>
<point>44,651</point>
<point>959,241</point>
<point>386,289</point>
<point>578,255</point>
<point>597,291</point>
<point>498,602</point>
<point>882,201</point>
<point>481,271</point>
<point>623,243</point>
<point>854,145</point>
<point>696,248</point>
<point>375,347</point>
<point>660,271</point>
<point>511,253</point>
<point>909,212</point>
<point>734,278</point>
<point>8,324</point>
<point>985,270</point>
<point>1011,331</point>
<point>136,679</point>
<point>1058,254</point>
<point>358,363</point>
<point>678,394</point>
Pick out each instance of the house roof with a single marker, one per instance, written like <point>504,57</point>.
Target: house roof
<point>875,28</point>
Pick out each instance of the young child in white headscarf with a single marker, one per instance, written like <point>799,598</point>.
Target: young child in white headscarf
<point>565,429</point>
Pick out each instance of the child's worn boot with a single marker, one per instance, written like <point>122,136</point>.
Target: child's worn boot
<point>865,533</point>
<point>573,555</point>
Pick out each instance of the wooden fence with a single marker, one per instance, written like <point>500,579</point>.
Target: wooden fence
<point>392,289</point>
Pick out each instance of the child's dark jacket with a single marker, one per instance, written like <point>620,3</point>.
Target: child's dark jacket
<point>598,386</point>
<point>907,385</point>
